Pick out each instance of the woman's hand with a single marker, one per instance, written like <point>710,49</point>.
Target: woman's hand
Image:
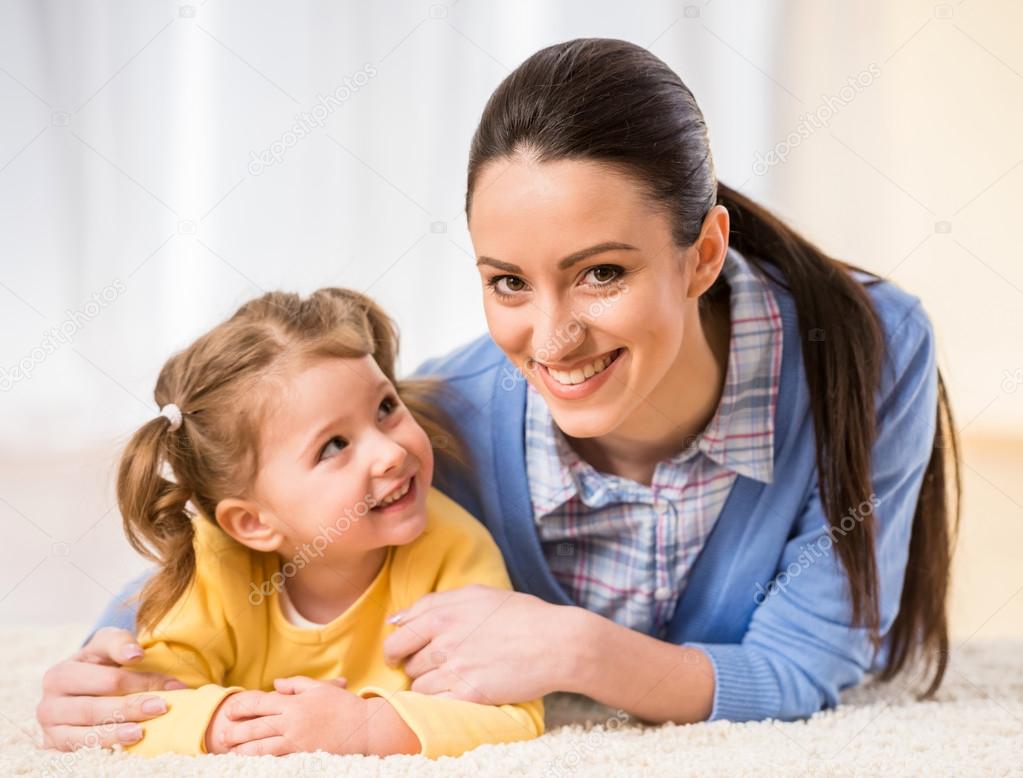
<point>308,715</point>
<point>485,645</point>
<point>496,647</point>
<point>82,702</point>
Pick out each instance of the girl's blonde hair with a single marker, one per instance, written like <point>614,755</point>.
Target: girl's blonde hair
<point>224,385</point>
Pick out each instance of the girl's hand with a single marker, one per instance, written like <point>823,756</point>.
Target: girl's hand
<point>218,726</point>
<point>309,715</point>
<point>82,702</point>
<point>218,732</point>
<point>485,645</point>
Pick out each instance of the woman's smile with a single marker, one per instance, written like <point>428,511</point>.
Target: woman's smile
<point>581,379</point>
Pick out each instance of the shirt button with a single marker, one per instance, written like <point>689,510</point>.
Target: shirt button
<point>662,593</point>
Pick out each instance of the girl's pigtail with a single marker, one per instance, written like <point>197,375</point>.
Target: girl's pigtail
<point>156,520</point>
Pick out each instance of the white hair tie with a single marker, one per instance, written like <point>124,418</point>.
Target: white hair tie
<point>172,413</point>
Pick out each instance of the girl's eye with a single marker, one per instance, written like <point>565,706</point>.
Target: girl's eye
<point>601,275</point>
<point>334,447</point>
<point>388,406</point>
<point>505,286</point>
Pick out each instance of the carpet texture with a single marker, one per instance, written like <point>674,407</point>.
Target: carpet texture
<point>974,728</point>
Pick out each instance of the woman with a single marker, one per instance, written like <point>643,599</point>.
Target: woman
<point>713,457</point>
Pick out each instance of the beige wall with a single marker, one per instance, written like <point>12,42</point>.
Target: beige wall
<point>920,176</point>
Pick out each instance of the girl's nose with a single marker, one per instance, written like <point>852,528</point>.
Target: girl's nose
<point>388,456</point>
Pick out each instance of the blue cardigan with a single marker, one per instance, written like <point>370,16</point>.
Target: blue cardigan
<point>779,651</point>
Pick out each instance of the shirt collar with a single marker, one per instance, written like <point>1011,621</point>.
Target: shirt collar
<point>740,436</point>
<point>549,458</point>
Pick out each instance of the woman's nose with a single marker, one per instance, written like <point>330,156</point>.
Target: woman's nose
<point>556,333</point>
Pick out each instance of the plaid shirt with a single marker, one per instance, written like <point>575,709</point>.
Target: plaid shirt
<point>623,549</point>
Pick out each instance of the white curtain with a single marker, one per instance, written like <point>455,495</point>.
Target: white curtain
<point>153,175</point>
<point>138,205</point>
<point>131,137</point>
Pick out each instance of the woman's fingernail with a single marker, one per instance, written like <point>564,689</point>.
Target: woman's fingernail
<point>131,652</point>
<point>394,619</point>
<point>129,733</point>
<point>170,685</point>
<point>154,705</point>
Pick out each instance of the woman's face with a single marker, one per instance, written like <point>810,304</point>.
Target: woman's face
<point>584,288</point>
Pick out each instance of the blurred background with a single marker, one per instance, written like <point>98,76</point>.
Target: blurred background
<point>161,162</point>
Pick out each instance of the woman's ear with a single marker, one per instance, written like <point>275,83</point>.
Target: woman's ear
<point>710,249</point>
<point>240,519</point>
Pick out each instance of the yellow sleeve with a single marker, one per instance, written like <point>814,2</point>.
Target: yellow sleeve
<point>447,727</point>
<point>462,548</point>
<point>194,642</point>
<point>466,555</point>
<point>182,729</point>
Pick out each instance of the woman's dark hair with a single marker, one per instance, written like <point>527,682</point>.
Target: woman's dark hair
<point>616,103</point>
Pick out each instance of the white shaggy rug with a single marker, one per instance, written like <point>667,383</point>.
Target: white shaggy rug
<point>975,728</point>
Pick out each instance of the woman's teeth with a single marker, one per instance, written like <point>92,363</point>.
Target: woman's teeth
<point>397,494</point>
<point>579,375</point>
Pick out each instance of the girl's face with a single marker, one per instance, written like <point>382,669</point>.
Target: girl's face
<point>585,289</point>
<point>344,467</point>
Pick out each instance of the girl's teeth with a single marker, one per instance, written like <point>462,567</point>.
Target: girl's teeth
<point>579,375</point>
<point>397,495</point>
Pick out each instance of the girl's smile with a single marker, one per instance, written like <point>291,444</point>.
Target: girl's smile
<point>398,499</point>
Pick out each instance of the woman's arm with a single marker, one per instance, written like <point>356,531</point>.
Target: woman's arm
<point>650,679</point>
<point>483,644</point>
<point>82,702</point>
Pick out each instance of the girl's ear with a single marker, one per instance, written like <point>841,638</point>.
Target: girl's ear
<point>240,519</point>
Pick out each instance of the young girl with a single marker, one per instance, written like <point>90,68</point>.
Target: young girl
<point>284,490</point>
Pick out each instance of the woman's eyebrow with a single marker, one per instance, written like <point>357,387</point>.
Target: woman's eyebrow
<point>600,248</point>
<point>567,262</point>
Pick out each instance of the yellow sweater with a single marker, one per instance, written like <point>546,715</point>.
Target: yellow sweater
<point>228,633</point>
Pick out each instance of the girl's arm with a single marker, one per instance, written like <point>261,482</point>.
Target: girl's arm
<point>457,550</point>
<point>308,715</point>
<point>304,714</point>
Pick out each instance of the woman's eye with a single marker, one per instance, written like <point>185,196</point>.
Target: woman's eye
<point>603,274</point>
<point>507,285</point>
<point>334,447</point>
